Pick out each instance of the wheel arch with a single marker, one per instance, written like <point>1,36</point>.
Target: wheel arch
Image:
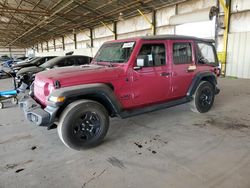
<point>204,76</point>
<point>101,93</point>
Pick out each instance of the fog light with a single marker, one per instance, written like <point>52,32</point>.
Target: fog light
<point>34,118</point>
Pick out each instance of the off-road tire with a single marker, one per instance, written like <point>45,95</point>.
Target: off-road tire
<point>14,101</point>
<point>69,127</point>
<point>203,98</point>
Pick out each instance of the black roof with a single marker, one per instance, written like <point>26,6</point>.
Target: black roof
<point>175,37</point>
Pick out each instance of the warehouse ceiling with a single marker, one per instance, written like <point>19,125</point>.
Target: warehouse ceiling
<point>24,23</point>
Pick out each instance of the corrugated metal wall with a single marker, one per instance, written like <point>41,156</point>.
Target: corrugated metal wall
<point>13,52</point>
<point>238,55</point>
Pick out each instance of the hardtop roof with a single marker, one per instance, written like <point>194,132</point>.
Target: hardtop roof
<point>169,37</point>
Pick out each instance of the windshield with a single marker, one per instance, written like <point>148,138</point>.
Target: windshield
<point>115,52</point>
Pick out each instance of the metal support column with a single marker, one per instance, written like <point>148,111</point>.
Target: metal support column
<point>91,38</point>
<point>63,44</point>
<point>54,44</point>
<point>223,55</point>
<point>75,41</point>
<point>47,44</point>
<point>115,30</point>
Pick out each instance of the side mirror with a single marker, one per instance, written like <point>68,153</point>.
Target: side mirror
<point>141,61</point>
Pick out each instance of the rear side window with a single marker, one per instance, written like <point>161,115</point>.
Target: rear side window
<point>156,54</point>
<point>66,62</point>
<point>69,62</point>
<point>83,60</point>
<point>206,54</point>
<point>182,53</point>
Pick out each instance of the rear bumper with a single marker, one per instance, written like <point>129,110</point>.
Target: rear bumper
<point>35,114</point>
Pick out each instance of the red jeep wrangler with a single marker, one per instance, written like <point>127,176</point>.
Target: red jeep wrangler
<point>126,78</point>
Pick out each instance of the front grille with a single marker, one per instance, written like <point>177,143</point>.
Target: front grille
<point>39,91</point>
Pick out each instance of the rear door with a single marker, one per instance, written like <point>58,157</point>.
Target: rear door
<point>183,66</point>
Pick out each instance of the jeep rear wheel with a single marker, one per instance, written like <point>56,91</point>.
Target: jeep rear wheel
<point>83,124</point>
<point>203,98</point>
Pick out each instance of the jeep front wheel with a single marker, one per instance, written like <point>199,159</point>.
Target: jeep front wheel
<point>203,98</point>
<point>83,124</point>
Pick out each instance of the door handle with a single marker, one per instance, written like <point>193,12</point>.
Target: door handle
<point>165,74</point>
<point>191,68</point>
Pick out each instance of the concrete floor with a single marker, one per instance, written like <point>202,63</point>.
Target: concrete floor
<point>169,148</point>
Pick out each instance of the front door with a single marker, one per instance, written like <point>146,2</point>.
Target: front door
<point>151,83</point>
<point>183,67</point>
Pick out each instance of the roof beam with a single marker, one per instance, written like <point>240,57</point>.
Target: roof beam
<point>41,22</point>
<point>23,11</point>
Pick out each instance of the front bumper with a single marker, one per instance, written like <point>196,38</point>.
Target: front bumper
<point>36,114</point>
<point>217,90</point>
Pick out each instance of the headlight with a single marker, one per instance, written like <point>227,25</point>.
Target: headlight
<point>56,99</point>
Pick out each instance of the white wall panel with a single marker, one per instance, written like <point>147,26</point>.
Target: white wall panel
<point>240,22</point>
<point>70,46</point>
<point>83,39</point>
<point>51,45</point>
<point>134,24</point>
<point>44,46</point>
<point>193,5</point>
<point>196,16</point>
<point>58,42</point>
<point>198,29</point>
<point>238,56</point>
<point>13,52</point>
<point>170,30</point>
<point>163,16</point>
<point>99,41</point>
<point>102,31</point>
<point>239,5</point>
<point>134,34</point>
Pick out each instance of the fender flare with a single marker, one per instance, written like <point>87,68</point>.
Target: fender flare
<point>99,92</point>
<point>207,76</point>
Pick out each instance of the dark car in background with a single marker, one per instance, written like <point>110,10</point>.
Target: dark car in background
<point>4,58</point>
<point>26,75</point>
<point>37,61</point>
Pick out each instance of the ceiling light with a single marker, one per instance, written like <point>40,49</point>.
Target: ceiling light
<point>121,16</point>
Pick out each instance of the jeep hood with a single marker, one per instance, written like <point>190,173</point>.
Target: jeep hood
<point>76,75</point>
<point>30,70</point>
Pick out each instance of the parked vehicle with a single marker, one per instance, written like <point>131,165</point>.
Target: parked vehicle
<point>28,59</point>
<point>37,61</point>
<point>8,63</point>
<point>27,74</point>
<point>9,94</point>
<point>4,58</point>
<point>11,62</point>
<point>126,78</point>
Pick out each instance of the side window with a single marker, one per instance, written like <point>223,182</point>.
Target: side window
<point>182,53</point>
<point>60,63</point>
<point>69,62</point>
<point>82,60</point>
<point>156,54</point>
<point>66,62</point>
<point>206,54</point>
